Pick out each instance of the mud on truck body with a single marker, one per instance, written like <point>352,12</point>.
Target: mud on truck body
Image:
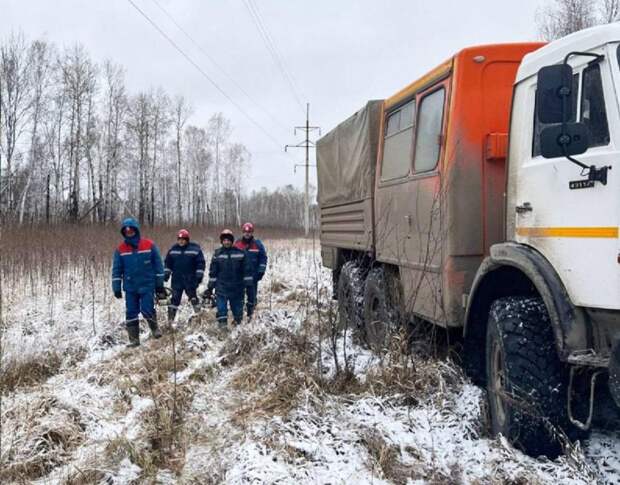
<point>480,198</point>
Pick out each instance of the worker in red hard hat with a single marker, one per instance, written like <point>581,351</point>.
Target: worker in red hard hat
<point>257,256</point>
<point>229,273</point>
<point>185,262</point>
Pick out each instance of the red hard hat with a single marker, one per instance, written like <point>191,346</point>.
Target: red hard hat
<point>183,234</point>
<point>227,234</point>
<point>248,227</point>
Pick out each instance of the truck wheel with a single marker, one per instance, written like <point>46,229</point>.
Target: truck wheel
<point>380,315</point>
<point>350,296</point>
<point>526,381</point>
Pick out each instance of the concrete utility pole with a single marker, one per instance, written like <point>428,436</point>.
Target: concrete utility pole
<point>307,144</point>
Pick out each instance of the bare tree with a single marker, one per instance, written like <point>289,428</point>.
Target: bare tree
<point>238,160</point>
<point>16,101</point>
<point>182,111</point>
<point>115,109</point>
<point>139,131</point>
<point>562,17</point>
<point>75,146</point>
<point>609,10</point>
<point>79,80</point>
<point>219,131</point>
<point>161,122</point>
<point>40,79</point>
<point>199,164</point>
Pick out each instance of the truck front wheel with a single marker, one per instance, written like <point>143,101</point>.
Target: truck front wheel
<point>526,381</point>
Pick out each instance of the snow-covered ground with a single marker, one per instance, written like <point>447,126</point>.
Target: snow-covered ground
<point>266,403</point>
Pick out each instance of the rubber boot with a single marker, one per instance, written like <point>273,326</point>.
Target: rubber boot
<point>134,336</point>
<point>237,322</point>
<point>196,305</point>
<point>222,323</point>
<point>172,312</point>
<point>155,332</point>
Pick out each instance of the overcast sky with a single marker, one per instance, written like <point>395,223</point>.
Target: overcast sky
<point>340,53</point>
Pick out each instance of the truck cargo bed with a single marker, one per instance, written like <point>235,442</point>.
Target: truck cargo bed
<point>346,158</point>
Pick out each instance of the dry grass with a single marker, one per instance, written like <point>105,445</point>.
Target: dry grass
<point>30,372</point>
<point>243,349</point>
<point>44,432</point>
<point>275,376</point>
<point>386,457</point>
<point>36,369</point>
<point>149,373</point>
<point>79,476</point>
<point>70,244</point>
<point>278,286</point>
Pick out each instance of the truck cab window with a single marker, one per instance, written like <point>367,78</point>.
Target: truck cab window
<point>428,137</point>
<point>593,112</point>
<point>398,142</point>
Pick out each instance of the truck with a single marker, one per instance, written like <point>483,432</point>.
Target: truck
<point>484,198</point>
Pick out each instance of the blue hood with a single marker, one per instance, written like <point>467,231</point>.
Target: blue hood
<point>131,222</point>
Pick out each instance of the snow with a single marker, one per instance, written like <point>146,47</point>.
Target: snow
<point>361,436</point>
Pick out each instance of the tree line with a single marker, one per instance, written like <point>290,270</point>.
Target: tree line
<point>76,146</point>
<point>558,18</point>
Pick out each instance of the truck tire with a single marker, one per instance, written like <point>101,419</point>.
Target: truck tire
<point>380,314</point>
<point>350,296</point>
<point>526,381</point>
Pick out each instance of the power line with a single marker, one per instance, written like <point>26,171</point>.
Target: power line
<point>278,56</point>
<point>215,63</point>
<point>272,49</point>
<point>206,76</point>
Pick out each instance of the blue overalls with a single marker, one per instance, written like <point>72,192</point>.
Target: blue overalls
<point>137,265</point>
<point>257,256</point>
<point>229,273</point>
<point>186,264</point>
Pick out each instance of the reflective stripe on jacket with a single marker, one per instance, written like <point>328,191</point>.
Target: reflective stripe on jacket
<point>140,268</point>
<point>229,271</point>
<point>187,265</point>
<point>256,254</point>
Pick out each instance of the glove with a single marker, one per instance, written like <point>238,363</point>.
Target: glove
<point>118,294</point>
<point>166,276</point>
<point>208,294</point>
<point>161,293</point>
<point>260,276</point>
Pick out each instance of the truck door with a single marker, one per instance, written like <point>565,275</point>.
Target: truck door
<point>572,222</point>
<point>407,205</point>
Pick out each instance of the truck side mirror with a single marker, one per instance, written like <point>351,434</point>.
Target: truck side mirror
<point>553,94</point>
<point>556,141</point>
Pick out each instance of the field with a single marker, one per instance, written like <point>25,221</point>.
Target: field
<point>290,397</point>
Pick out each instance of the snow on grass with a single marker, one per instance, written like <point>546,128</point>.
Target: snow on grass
<point>249,407</point>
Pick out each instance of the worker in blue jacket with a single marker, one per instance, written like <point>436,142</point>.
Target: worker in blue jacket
<point>138,270</point>
<point>229,274</point>
<point>257,254</point>
<point>186,263</point>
